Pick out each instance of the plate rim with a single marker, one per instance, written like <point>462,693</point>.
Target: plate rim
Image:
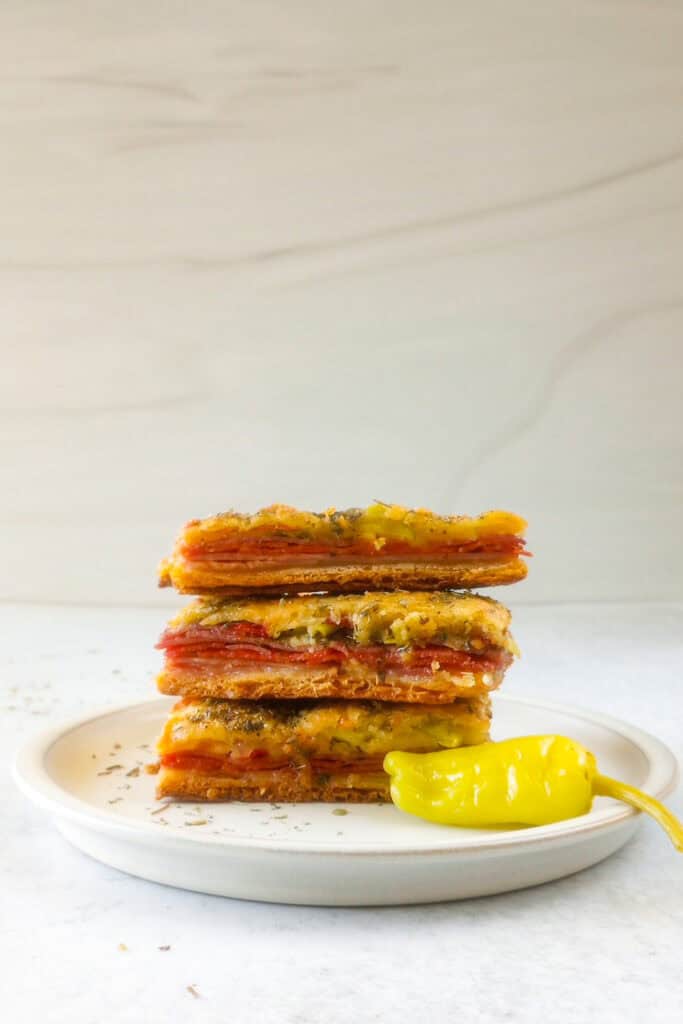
<point>35,782</point>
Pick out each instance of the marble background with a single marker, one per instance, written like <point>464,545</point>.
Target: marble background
<point>322,253</point>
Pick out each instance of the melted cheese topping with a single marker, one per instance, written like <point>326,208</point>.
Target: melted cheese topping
<point>338,729</point>
<point>398,618</point>
<point>377,523</point>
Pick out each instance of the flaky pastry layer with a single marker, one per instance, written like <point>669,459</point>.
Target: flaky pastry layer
<point>283,787</point>
<point>245,579</point>
<point>348,681</point>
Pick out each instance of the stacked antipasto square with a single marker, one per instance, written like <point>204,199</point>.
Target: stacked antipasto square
<point>320,642</point>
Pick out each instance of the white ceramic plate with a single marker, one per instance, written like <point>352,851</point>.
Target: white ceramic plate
<point>89,775</point>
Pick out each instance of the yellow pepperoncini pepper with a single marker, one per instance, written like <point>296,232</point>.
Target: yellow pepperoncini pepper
<point>533,780</point>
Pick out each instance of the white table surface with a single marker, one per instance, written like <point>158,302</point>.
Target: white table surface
<point>602,946</point>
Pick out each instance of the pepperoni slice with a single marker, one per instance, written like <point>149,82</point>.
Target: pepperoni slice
<point>232,645</point>
<point>267,548</point>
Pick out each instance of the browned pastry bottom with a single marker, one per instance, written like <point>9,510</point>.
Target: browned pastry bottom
<point>281,787</point>
<point>245,578</point>
<point>288,682</point>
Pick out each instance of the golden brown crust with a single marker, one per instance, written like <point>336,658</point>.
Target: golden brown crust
<point>247,578</point>
<point>285,682</point>
<point>228,738</point>
<point>280,787</point>
<point>378,522</point>
<point>461,620</point>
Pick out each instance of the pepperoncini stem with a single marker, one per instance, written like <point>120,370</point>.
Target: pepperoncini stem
<point>604,786</point>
